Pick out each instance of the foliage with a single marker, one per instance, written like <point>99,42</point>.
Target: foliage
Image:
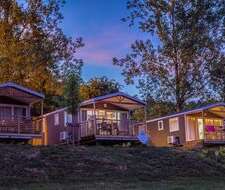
<point>217,154</point>
<point>154,109</point>
<point>98,87</point>
<point>72,91</point>
<point>190,36</point>
<point>217,78</point>
<point>24,165</point>
<point>34,51</point>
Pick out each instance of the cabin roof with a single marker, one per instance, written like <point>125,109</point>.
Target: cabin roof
<point>20,93</point>
<point>196,110</point>
<point>119,99</point>
<point>22,88</point>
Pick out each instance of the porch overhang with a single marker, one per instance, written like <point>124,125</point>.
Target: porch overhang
<point>217,109</point>
<point>118,99</point>
<point>20,93</point>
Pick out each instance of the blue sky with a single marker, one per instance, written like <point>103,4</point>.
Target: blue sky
<point>105,36</point>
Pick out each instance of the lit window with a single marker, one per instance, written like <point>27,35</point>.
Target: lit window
<point>160,125</point>
<point>174,124</point>
<point>56,119</point>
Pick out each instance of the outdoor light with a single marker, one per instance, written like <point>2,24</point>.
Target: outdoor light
<point>105,105</point>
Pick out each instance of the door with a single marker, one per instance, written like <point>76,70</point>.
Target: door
<point>200,129</point>
<point>123,123</point>
<point>191,129</point>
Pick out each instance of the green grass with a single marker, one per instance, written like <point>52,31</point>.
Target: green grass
<point>97,167</point>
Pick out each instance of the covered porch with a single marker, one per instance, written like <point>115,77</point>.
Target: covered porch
<point>15,111</point>
<point>207,124</point>
<point>110,117</point>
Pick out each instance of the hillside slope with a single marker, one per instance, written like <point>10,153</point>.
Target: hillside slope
<point>21,165</point>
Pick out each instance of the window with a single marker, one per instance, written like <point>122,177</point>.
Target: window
<point>56,119</point>
<point>174,124</point>
<point>160,125</point>
<point>67,118</point>
<point>20,112</point>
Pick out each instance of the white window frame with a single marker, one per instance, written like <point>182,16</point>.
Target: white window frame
<point>56,119</point>
<point>174,127</point>
<point>160,125</point>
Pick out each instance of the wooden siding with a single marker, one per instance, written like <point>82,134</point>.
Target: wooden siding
<point>18,95</point>
<point>100,105</point>
<point>159,138</point>
<point>51,132</point>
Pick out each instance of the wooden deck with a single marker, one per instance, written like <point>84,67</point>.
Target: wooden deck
<point>18,128</point>
<point>116,138</point>
<point>110,131</point>
<point>214,142</point>
<point>19,136</point>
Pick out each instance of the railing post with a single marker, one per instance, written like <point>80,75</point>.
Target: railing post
<point>18,125</point>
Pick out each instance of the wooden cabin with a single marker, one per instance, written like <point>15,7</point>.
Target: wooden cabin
<point>15,113</point>
<point>205,125</point>
<point>104,118</point>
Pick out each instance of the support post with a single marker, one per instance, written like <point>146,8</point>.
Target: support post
<point>94,106</point>
<point>203,122</point>
<point>129,122</point>
<point>29,108</point>
<point>145,119</point>
<point>42,108</point>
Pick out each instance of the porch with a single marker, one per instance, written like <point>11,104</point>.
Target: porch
<point>207,125</point>
<point>109,118</point>
<point>15,107</point>
<point>108,129</point>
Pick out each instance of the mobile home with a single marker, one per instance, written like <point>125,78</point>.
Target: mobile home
<point>16,121</point>
<point>204,125</point>
<point>104,118</point>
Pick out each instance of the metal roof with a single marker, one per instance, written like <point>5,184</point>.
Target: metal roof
<point>99,98</point>
<point>24,89</point>
<point>119,99</point>
<point>188,112</point>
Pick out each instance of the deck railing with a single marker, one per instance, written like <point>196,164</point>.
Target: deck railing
<point>110,127</point>
<point>19,125</point>
<point>218,135</point>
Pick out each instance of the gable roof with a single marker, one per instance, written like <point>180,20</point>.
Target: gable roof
<point>119,99</point>
<point>21,88</point>
<point>200,109</point>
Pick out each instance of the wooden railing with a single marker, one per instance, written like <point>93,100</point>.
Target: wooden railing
<point>109,127</point>
<point>218,135</point>
<point>19,125</point>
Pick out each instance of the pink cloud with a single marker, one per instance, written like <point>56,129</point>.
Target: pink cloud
<point>109,43</point>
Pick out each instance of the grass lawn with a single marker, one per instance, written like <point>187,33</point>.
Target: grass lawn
<point>181,184</point>
<point>97,167</point>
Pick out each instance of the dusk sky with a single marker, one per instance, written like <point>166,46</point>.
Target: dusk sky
<point>105,36</point>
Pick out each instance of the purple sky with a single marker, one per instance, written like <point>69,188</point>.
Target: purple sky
<point>105,36</point>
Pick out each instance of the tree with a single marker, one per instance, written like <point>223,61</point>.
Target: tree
<point>72,92</point>
<point>34,51</point>
<point>98,87</point>
<point>72,95</point>
<point>217,76</point>
<point>190,35</point>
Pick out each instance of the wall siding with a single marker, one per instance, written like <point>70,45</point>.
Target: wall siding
<point>159,138</point>
<point>51,132</point>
